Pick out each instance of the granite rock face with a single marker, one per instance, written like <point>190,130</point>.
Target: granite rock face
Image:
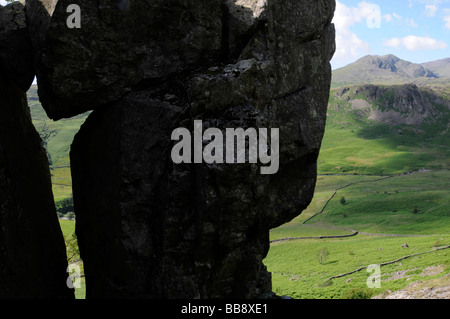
<point>16,54</point>
<point>119,45</point>
<point>150,228</point>
<point>155,229</point>
<point>32,253</point>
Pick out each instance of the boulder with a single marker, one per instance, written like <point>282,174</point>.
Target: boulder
<point>120,45</point>
<point>150,228</point>
<point>16,54</point>
<point>32,253</point>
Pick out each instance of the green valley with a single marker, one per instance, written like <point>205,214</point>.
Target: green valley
<point>384,180</point>
<point>57,137</point>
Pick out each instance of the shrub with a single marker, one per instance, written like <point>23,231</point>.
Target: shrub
<point>437,243</point>
<point>65,206</point>
<point>343,201</point>
<point>322,255</point>
<point>356,293</point>
<point>326,283</point>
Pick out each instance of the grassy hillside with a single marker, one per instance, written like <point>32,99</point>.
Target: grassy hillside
<point>383,172</point>
<point>414,204</point>
<point>356,144</point>
<point>296,271</point>
<point>57,138</point>
<point>68,230</point>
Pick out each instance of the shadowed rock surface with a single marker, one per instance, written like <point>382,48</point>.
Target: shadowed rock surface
<point>148,228</point>
<point>32,253</point>
<point>16,54</point>
<point>395,105</point>
<point>119,45</point>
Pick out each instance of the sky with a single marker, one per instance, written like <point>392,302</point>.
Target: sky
<point>414,30</point>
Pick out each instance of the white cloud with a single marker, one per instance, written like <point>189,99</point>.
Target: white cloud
<point>387,17</point>
<point>348,45</point>
<point>447,22</point>
<point>447,18</point>
<point>411,22</point>
<point>430,10</point>
<point>397,16</point>
<point>415,43</point>
<point>369,12</point>
<point>402,21</point>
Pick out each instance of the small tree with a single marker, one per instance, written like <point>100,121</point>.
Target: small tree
<point>322,255</point>
<point>357,293</point>
<point>65,206</point>
<point>343,201</point>
<point>415,210</point>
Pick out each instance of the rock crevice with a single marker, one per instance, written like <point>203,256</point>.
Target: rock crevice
<point>32,254</point>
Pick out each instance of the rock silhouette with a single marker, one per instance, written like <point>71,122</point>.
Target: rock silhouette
<point>149,228</point>
<point>32,254</point>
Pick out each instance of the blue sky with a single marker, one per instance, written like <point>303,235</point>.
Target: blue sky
<point>413,30</point>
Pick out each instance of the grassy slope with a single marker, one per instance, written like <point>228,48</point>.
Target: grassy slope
<point>296,271</point>
<point>355,145</point>
<point>68,229</point>
<point>58,137</point>
<point>387,206</point>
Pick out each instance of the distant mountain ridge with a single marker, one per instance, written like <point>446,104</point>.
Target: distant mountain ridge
<point>389,69</point>
<point>440,67</point>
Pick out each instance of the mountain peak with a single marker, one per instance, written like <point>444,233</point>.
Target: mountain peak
<point>375,69</point>
<point>389,58</point>
<point>439,67</point>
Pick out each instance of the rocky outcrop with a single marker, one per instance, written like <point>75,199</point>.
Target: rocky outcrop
<point>135,41</point>
<point>148,227</point>
<point>16,54</point>
<point>395,105</point>
<point>32,253</point>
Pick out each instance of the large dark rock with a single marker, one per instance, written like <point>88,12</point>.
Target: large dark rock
<point>119,45</point>
<point>16,54</point>
<point>149,228</point>
<point>32,253</point>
